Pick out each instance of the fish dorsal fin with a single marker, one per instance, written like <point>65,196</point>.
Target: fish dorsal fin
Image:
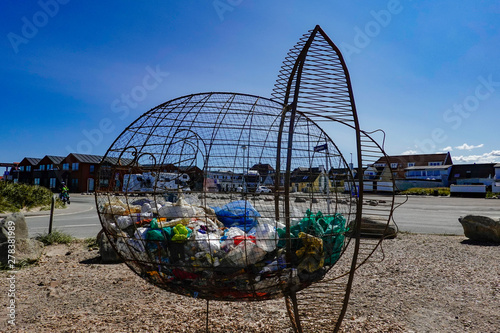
<point>314,76</point>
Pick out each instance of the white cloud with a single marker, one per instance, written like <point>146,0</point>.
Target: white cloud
<point>468,147</point>
<point>409,152</point>
<point>491,157</point>
<point>449,148</point>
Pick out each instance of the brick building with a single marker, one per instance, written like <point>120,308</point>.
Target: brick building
<point>46,172</point>
<point>26,168</point>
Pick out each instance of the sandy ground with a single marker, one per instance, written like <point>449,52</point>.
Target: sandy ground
<point>427,283</point>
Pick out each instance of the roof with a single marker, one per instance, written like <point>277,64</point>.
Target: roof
<point>305,178</point>
<point>85,158</point>
<point>31,160</point>
<point>430,167</point>
<point>263,169</point>
<point>337,171</point>
<point>54,159</point>
<point>418,159</point>
<point>304,171</point>
<point>185,168</point>
<point>123,161</point>
<point>11,165</point>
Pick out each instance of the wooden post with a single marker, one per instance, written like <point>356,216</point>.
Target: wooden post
<point>51,214</point>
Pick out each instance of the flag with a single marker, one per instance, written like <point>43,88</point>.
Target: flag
<point>321,147</point>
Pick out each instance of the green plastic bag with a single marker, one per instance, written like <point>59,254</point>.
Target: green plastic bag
<point>181,233</point>
<point>329,228</point>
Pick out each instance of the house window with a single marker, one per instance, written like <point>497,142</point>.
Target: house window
<point>52,182</point>
<point>380,165</point>
<point>50,166</point>
<point>435,163</point>
<point>432,173</point>
<point>410,164</point>
<point>74,166</point>
<point>92,168</point>
<point>394,165</point>
<point>28,168</point>
<point>21,168</point>
<point>66,166</point>
<point>42,167</point>
<point>414,173</point>
<point>37,181</point>
<point>74,183</point>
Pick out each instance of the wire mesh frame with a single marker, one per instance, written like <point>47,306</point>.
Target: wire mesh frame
<point>314,79</point>
<point>308,84</point>
<point>301,91</point>
<point>217,155</point>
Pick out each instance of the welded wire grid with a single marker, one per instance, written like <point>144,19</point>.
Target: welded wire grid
<point>225,135</point>
<point>268,156</point>
<point>314,80</point>
<point>324,88</point>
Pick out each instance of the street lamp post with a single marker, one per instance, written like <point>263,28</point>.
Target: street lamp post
<point>244,147</point>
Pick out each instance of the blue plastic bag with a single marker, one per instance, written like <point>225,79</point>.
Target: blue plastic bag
<point>239,214</point>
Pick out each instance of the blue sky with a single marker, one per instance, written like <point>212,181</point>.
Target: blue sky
<point>75,73</point>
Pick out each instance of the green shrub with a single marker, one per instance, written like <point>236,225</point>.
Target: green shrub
<point>6,206</point>
<point>14,197</point>
<point>56,237</point>
<point>490,194</point>
<point>440,191</point>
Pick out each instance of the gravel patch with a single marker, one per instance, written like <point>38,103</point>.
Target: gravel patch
<point>427,283</point>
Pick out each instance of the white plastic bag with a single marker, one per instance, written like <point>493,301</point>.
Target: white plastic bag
<point>245,253</point>
<point>124,221</point>
<point>230,234</point>
<point>180,209</point>
<point>146,208</point>
<point>265,236</point>
<point>208,243</point>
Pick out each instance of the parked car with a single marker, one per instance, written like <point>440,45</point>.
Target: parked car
<point>262,189</point>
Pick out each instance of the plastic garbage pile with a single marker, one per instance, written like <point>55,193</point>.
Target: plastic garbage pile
<point>316,241</point>
<point>191,249</point>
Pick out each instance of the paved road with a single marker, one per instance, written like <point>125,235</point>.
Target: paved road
<point>433,215</point>
<point>439,215</point>
<point>79,219</point>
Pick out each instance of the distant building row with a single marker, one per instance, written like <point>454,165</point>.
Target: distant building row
<point>79,172</point>
<point>432,170</point>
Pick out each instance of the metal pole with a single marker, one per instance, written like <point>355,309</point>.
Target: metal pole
<point>244,189</point>
<point>51,213</point>
<point>327,180</point>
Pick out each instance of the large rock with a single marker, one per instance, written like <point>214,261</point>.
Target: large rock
<point>106,250</point>
<point>25,248</point>
<point>481,228</point>
<point>21,228</point>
